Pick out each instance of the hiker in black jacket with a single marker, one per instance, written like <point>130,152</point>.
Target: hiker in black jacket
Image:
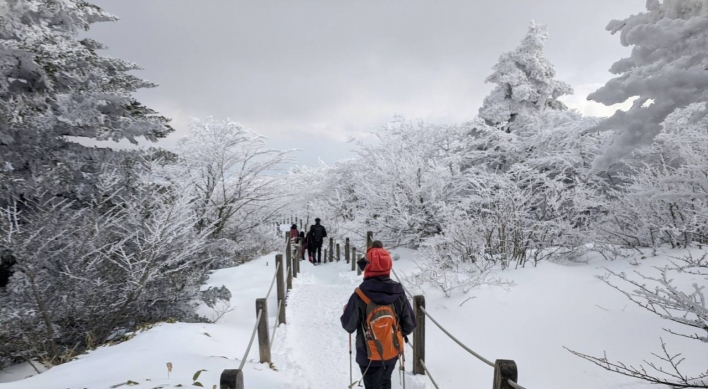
<point>318,234</point>
<point>381,290</point>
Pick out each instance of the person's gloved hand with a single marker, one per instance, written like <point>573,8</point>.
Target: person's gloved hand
<point>362,262</point>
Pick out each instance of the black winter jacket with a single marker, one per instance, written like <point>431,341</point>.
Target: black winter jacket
<point>318,233</point>
<point>383,291</point>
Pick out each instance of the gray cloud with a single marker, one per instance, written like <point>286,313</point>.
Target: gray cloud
<point>300,71</point>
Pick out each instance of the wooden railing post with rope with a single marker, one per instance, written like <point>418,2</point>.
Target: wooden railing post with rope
<point>347,252</point>
<point>263,338</point>
<point>289,260</point>
<point>419,335</point>
<point>505,371</point>
<point>233,378</point>
<point>281,287</point>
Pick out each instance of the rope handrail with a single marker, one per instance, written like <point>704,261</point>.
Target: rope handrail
<point>250,342</point>
<point>469,350</point>
<point>277,267</point>
<point>435,384</point>
<point>399,281</point>
<point>275,326</point>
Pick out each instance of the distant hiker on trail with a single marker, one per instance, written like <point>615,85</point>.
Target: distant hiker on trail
<point>310,244</point>
<point>318,234</point>
<point>303,246</point>
<point>293,233</point>
<point>381,300</point>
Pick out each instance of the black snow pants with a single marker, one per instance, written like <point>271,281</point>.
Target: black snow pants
<point>318,249</point>
<point>378,377</point>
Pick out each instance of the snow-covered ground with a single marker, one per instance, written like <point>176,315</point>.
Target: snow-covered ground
<point>189,347</point>
<point>550,307</point>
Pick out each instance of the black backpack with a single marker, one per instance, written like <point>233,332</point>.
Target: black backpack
<point>318,233</point>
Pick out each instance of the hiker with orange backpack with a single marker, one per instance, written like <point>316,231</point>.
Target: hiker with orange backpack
<point>382,317</point>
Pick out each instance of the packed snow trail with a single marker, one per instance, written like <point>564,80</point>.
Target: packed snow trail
<point>314,349</point>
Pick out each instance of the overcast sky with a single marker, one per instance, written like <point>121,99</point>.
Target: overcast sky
<point>311,74</point>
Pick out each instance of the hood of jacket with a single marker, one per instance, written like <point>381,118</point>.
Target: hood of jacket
<point>381,290</point>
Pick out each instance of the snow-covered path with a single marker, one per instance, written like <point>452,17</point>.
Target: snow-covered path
<point>313,349</point>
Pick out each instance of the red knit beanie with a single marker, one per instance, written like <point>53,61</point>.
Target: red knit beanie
<point>379,263</point>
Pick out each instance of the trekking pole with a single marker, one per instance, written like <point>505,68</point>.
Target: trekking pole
<point>351,375</point>
<point>403,369</point>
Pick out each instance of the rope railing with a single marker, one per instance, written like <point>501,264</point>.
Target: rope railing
<point>435,384</point>
<point>233,378</point>
<point>399,281</point>
<point>250,342</point>
<point>272,283</point>
<point>505,371</point>
<point>277,322</point>
<point>446,332</point>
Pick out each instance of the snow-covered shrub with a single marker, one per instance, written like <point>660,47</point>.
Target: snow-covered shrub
<point>660,295</point>
<point>441,266</point>
<point>666,198</point>
<point>132,256</point>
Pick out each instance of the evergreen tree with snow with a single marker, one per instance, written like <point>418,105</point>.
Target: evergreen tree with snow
<point>667,70</point>
<point>525,83</point>
<point>54,85</point>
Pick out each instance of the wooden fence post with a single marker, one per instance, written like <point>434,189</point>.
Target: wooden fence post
<point>505,370</point>
<point>358,269</point>
<point>354,258</point>
<point>231,379</point>
<point>369,239</point>
<point>281,287</point>
<point>325,256</point>
<point>331,249</point>
<point>419,335</point>
<point>289,260</point>
<point>263,336</point>
<point>346,250</point>
<point>339,253</point>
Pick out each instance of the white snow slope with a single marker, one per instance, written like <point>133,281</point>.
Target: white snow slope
<point>550,307</point>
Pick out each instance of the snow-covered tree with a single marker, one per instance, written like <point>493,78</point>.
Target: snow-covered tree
<point>524,81</point>
<point>54,85</point>
<point>405,177</point>
<point>666,70</point>
<point>235,179</point>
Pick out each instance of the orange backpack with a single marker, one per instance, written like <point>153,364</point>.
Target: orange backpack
<point>382,335</point>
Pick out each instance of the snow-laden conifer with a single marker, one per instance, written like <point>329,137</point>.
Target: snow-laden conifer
<point>667,69</point>
<point>525,82</point>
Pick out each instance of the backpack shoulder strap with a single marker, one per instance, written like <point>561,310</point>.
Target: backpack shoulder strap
<point>363,297</point>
